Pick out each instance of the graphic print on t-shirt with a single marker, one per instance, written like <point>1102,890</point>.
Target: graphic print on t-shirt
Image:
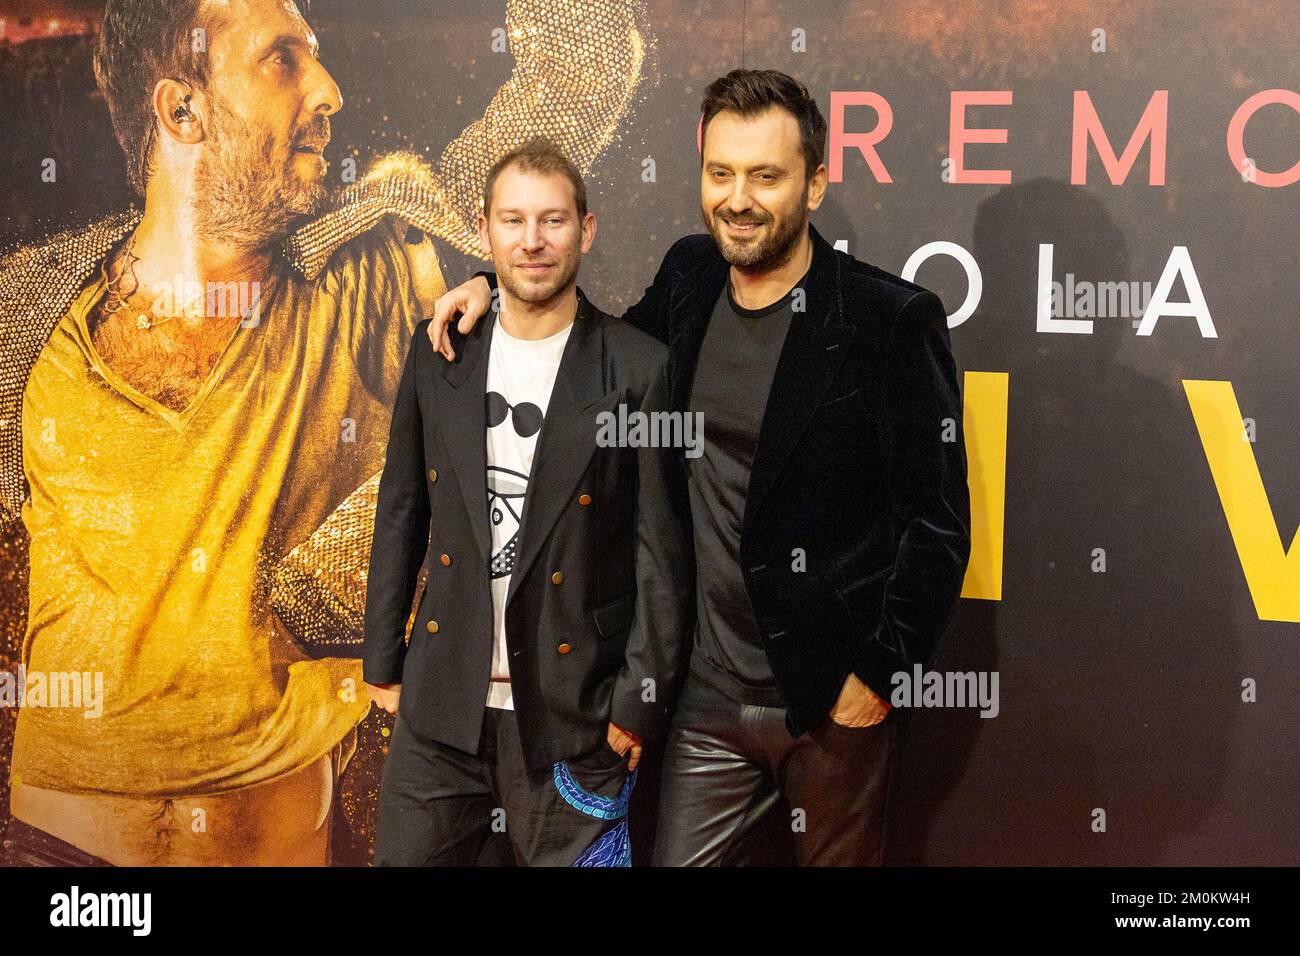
<point>521,375</point>
<point>506,487</point>
<point>506,491</point>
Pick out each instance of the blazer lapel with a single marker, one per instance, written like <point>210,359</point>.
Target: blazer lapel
<point>690,309</point>
<point>462,387</point>
<point>568,437</point>
<point>812,354</point>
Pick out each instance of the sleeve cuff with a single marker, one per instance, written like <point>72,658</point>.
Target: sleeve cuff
<point>875,665</point>
<point>381,674</point>
<point>644,720</point>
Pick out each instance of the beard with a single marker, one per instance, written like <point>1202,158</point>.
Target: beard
<point>534,293</point>
<point>243,193</point>
<point>777,243</point>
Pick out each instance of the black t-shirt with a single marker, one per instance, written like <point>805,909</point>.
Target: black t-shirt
<point>733,377</point>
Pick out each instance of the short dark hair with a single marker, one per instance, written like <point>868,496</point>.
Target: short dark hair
<point>750,92</point>
<point>142,42</point>
<point>538,155</point>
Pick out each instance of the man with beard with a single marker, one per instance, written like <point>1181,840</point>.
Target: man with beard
<point>157,477</point>
<point>214,378</point>
<point>830,511</point>
<point>548,633</point>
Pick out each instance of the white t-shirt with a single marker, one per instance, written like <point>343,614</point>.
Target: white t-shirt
<point>521,374</point>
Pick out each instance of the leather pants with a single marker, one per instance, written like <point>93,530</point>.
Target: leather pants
<point>726,764</point>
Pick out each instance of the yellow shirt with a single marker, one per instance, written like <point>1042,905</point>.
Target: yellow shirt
<point>152,533</point>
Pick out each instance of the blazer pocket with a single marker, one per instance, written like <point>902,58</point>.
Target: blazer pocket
<point>615,617</point>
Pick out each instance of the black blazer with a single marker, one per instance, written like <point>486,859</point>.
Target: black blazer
<point>602,579</point>
<point>861,462</point>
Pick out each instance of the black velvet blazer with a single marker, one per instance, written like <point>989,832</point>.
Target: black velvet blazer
<point>860,466</point>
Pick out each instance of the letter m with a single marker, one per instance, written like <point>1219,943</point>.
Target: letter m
<point>1087,126</point>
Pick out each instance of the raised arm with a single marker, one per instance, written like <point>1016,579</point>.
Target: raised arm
<point>473,297</point>
<point>581,62</point>
<point>577,67</point>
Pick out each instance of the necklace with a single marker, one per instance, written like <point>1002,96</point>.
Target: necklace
<point>144,321</point>
<point>116,299</point>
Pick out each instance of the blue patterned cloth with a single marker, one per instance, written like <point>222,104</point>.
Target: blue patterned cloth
<point>614,848</point>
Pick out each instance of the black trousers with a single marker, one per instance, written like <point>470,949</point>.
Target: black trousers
<point>726,764</point>
<point>439,806</point>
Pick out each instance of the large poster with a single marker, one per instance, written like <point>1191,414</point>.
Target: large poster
<point>1103,195</point>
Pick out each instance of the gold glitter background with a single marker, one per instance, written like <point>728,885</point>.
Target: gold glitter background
<point>577,65</point>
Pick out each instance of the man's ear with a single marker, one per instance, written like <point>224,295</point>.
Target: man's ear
<point>817,187</point>
<point>588,232</point>
<point>178,114</point>
<point>483,240</point>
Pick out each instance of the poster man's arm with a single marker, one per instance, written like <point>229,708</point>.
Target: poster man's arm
<point>577,67</point>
